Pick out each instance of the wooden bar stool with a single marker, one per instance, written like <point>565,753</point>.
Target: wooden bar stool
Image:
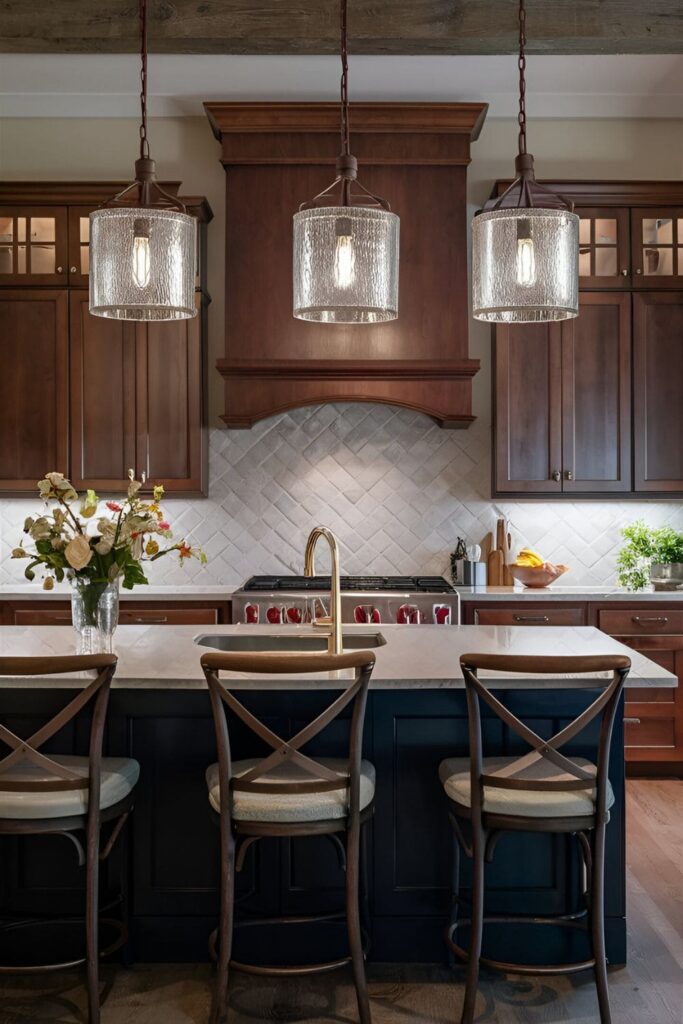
<point>288,793</point>
<point>540,791</point>
<point>45,794</point>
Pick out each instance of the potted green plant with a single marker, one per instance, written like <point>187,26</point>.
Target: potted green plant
<point>649,553</point>
<point>97,552</point>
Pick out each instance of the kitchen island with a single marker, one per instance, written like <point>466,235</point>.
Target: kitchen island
<point>159,714</point>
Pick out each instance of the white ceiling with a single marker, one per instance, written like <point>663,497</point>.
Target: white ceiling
<point>65,85</point>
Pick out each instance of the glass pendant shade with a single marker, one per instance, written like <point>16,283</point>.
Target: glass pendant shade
<point>143,263</point>
<point>346,264</point>
<point>525,265</point>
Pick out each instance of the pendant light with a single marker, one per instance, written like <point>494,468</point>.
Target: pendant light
<point>346,240</point>
<point>142,242</point>
<point>525,257</point>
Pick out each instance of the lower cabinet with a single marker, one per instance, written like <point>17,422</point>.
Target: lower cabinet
<point>131,613</point>
<point>653,718</point>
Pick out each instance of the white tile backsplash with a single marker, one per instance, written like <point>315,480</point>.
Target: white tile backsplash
<point>395,488</point>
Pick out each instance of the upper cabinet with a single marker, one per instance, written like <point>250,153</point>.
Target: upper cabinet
<point>89,396</point>
<point>591,406</point>
<point>277,156</point>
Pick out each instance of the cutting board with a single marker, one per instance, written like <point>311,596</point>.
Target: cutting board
<point>503,544</point>
<point>495,568</point>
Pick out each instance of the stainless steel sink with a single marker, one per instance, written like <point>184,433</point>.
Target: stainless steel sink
<point>292,642</point>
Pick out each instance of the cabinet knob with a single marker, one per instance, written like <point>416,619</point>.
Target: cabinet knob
<point>60,270</point>
<point>569,475</point>
<point>625,273</point>
<point>639,271</point>
<point>557,476</point>
<point>74,270</point>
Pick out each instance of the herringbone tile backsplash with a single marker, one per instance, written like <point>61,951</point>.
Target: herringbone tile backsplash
<point>395,488</point>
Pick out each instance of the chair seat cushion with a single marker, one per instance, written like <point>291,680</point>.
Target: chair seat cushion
<point>290,807</point>
<point>118,778</point>
<point>455,778</point>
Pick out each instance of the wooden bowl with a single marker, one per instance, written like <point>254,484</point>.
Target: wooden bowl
<point>541,576</point>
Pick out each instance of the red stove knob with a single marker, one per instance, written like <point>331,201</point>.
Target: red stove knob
<point>252,614</point>
<point>274,615</point>
<point>442,614</point>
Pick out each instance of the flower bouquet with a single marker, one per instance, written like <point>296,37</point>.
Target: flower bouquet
<point>97,552</point>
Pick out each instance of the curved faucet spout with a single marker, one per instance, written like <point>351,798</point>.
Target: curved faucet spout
<point>335,637</point>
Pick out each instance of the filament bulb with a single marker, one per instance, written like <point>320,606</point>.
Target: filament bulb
<point>344,256</point>
<point>526,259</point>
<point>141,253</point>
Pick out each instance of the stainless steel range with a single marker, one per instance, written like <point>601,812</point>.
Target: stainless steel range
<point>293,600</point>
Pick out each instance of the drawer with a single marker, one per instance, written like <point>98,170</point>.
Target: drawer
<point>530,617</point>
<point>168,616</point>
<point>643,621</point>
<point>41,617</point>
<point>652,733</point>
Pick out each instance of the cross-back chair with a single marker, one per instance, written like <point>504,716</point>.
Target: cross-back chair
<point>542,790</point>
<point>289,793</point>
<point>45,793</point>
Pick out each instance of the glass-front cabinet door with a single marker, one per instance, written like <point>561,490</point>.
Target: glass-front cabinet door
<point>33,245</point>
<point>604,257</point>
<point>657,247</point>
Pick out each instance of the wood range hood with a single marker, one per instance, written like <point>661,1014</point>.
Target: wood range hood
<point>277,155</point>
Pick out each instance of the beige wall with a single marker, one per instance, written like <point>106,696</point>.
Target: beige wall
<point>185,148</point>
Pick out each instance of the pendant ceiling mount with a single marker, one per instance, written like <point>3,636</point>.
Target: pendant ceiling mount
<point>346,240</point>
<point>525,255</point>
<point>143,243</point>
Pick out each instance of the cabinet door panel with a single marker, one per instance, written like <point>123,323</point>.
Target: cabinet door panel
<point>33,387</point>
<point>596,395</point>
<point>657,236</point>
<point>528,409</point>
<point>33,245</point>
<point>657,374</point>
<point>604,257</point>
<point>169,404</point>
<point>102,398</point>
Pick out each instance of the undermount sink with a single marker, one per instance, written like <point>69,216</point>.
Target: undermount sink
<point>294,642</point>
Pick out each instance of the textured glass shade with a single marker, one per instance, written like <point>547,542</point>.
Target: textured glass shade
<point>346,265</point>
<point>525,265</point>
<point>142,263</point>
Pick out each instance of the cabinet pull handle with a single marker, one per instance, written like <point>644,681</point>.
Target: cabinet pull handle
<point>569,474</point>
<point>631,721</point>
<point>656,620</point>
<point>143,477</point>
<point>557,476</point>
<point>143,621</point>
<point>530,618</point>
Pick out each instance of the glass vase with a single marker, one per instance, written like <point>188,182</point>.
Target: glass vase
<point>95,614</point>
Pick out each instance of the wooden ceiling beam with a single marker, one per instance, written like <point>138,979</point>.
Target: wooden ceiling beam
<point>405,27</point>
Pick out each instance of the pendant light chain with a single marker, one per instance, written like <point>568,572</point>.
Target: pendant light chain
<point>345,133</point>
<point>144,143</point>
<point>521,63</point>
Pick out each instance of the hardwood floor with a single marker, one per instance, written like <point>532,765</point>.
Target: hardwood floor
<point>648,991</point>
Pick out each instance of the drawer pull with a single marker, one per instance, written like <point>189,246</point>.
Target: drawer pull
<point>631,721</point>
<point>655,620</point>
<point>530,618</point>
<point>144,621</point>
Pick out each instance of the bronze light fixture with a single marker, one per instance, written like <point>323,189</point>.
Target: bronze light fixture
<point>346,240</point>
<point>143,243</point>
<point>525,257</point>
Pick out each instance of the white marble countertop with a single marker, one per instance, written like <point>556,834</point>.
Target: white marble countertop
<point>423,657</point>
<point>35,592</point>
<point>563,593</point>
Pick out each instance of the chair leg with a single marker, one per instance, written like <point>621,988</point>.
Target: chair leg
<point>92,873</point>
<point>597,909</point>
<point>472,981</point>
<point>225,927</point>
<point>353,922</point>
<point>455,891</point>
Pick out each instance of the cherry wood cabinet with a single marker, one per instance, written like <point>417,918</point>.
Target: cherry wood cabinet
<point>51,612</point>
<point>604,247</point>
<point>562,410</point>
<point>277,155</point>
<point>657,247</point>
<point>112,395</point>
<point>657,380</point>
<point>34,326</point>
<point>136,401</point>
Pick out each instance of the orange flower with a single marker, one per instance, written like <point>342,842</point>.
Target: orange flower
<point>113,506</point>
<point>185,551</point>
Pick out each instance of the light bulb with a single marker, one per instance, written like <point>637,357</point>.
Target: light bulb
<point>344,262</point>
<point>526,259</point>
<point>141,253</point>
